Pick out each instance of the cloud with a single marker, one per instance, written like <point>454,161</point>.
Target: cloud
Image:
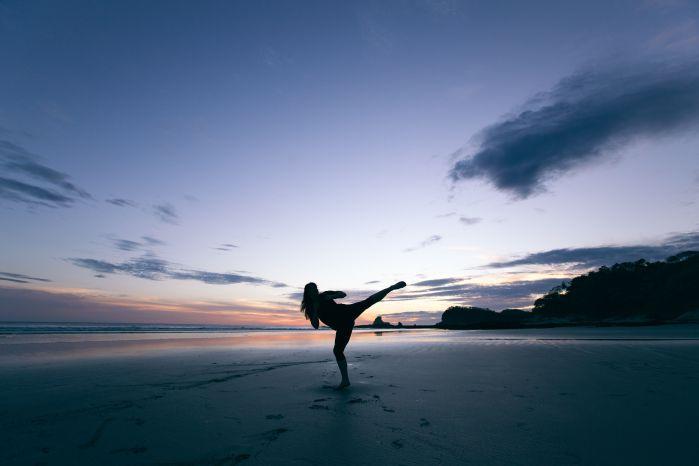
<point>130,245</point>
<point>27,181</point>
<point>151,267</point>
<point>126,245</point>
<point>437,282</point>
<point>226,247</point>
<point>152,241</point>
<point>26,304</point>
<point>166,213</point>
<point>583,119</point>
<point>371,282</point>
<point>119,202</point>
<point>20,278</point>
<point>470,220</point>
<point>431,240</point>
<point>448,214</point>
<point>514,294</point>
<point>597,256</point>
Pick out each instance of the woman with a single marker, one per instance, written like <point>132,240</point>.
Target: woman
<point>339,317</point>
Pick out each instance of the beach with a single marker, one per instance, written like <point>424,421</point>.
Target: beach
<point>521,397</point>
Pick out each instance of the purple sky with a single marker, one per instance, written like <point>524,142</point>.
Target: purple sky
<point>201,161</point>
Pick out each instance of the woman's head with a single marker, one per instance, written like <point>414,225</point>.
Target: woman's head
<point>310,294</point>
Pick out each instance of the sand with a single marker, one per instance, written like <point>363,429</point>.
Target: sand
<point>555,396</point>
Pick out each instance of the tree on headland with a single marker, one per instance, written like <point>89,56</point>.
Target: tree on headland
<point>642,291</point>
<point>660,290</point>
<point>478,317</point>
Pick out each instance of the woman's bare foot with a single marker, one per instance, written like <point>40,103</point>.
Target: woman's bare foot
<point>343,384</point>
<point>398,285</point>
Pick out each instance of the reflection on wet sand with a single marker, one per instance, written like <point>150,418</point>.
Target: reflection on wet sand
<point>75,346</point>
<point>27,349</point>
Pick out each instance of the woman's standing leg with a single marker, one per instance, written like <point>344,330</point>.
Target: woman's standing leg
<point>342,337</point>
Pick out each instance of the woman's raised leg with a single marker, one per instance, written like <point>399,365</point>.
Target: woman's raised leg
<point>361,306</point>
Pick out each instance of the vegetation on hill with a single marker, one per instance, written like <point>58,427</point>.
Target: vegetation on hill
<point>641,290</point>
<point>478,317</point>
<point>660,290</point>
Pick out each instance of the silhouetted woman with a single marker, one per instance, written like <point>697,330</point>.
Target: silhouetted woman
<point>339,317</point>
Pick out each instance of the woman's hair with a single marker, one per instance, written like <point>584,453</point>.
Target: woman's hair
<point>310,292</point>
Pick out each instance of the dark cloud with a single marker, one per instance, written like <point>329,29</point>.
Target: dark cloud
<point>130,245</point>
<point>18,191</point>
<point>126,244</point>
<point>20,278</point>
<point>166,213</point>
<point>226,247</point>
<point>606,255</point>
<point>119,202</point>
<point>431,240</point>
<point>582,119</point>
<point>152,241</point>
<point>514,294</point>
<point>29,182</point>
<point>470,220</point>
<point>151,267</point>
<point>13,280</point>
<point>372,282</point>
<point>437,282</point>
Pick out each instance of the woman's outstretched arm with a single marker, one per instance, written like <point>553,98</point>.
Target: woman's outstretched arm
<point>333,294</point>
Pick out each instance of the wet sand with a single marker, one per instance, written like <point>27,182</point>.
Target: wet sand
<point>554,396</point>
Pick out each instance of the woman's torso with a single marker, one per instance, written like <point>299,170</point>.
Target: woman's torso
<point>331,313</point>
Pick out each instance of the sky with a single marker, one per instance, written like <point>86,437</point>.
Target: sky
<point>199,162</point>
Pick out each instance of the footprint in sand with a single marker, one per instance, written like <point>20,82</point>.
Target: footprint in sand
<point>134,450</point>
<point>270,435</point>
<point>230,459</point>
<point>424,422</point>
<point>356,400</point>
<point>274,416</point>
<point>96,435</point>
<point>318,407</point>
<point>398,443</point>
<point>237,459</point>
<point>388,410</point>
